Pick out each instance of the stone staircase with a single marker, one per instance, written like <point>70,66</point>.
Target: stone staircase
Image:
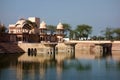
<point>10,48</point>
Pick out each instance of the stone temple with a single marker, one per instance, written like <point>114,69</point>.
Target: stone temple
<point>31,30</point>
<point>35,39</point>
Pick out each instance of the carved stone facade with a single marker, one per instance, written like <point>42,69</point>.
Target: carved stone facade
<point>32,30</point>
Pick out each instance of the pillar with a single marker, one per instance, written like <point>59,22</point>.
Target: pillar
<point>99,50</point>
<point>71,49</point>
<point>52,47</point>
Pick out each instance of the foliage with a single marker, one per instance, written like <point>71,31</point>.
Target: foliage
<point>108,32</point>
<point>73,35</point>
<point>67,29</point>
<point>97,38</point>
<point>2,28</point>
<point>117,32</point>
<point>112,33</point>
<point>83,30</point>
<point>51,28</point>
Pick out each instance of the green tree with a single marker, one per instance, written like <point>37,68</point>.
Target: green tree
<point>83,30</point>
<point>67,29</point>
<point>117,32</point>
<point>108,32</point>
<point>2,28</point>
<point>51,28</point>
<point>73,35</point>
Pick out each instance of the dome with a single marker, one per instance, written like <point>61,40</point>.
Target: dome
<point>43,25</point>
<point>20,23</point>
<point>60,26</point>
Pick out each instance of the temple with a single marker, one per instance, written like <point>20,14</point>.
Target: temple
<point>31,30</point>
<point>35,38</point>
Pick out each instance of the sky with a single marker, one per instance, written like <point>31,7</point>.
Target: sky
<point>97,13</point>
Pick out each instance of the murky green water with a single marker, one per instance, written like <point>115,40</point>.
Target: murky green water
<point>68,69</point>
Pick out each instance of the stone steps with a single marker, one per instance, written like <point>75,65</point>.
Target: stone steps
<point>10,48</point>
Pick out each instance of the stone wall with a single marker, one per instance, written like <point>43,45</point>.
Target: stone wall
<point>116,46</point>
<point>86,45</point>
<point>80,46</point>
<point>88,48</point>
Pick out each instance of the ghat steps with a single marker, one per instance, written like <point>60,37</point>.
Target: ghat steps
<point>10,48</point>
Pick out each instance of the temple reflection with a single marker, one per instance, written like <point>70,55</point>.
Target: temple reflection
<point>58,68</point>
<point>40,69</point>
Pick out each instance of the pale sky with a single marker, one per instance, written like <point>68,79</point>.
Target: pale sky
<point>97,13</point>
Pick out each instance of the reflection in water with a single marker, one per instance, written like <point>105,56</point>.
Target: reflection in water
<point>118,65</point>
<point>64,67</point>
<point>59,70</point>
<point>42,71</point>
<point>29,70</point>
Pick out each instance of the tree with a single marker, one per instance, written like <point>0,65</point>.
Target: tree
<point>117,32</point>
<point>73,35</point>
<point>67,29</point>
<point>108,32</point>
<point>83,30</point>
<point>51,28</point>
<point>2,28</point>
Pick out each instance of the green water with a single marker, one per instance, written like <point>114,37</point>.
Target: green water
<point>68,69</point>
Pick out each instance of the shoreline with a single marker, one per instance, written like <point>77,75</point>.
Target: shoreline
<point>82,49</point>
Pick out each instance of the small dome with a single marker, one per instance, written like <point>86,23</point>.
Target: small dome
<point>60,26</point>
<point>43,25</point>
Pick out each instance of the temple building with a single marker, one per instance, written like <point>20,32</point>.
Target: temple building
<point>60,32</point>
<point>31,30</point>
